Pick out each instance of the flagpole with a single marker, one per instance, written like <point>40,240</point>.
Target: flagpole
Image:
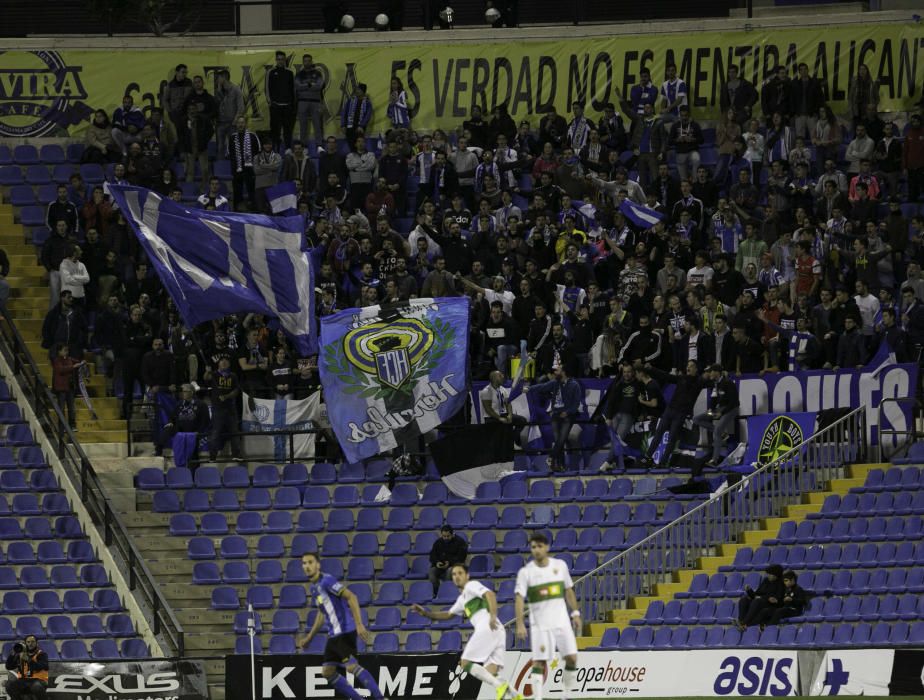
<point>251,631</point>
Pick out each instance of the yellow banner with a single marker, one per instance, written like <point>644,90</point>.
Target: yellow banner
<point>52,93</point>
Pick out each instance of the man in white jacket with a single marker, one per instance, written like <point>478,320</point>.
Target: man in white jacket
<point>74,275</point>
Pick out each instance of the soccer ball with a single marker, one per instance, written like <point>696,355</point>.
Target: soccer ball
<point>381,21</point>
<point>347,23</point>
<point>491,15</point>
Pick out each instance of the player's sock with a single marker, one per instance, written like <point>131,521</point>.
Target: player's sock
<point>339,683</point>
<point>365,679</point>
<point>537,680</point>
<point>482,674</point>
<point>570,679</point>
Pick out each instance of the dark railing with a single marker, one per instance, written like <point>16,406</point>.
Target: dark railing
<point>92,494</point>
<point>807,467</point>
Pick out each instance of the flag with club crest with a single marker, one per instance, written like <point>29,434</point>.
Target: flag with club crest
<point>392,373</point>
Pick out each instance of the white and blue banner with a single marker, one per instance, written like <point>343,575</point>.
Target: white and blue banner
<point>640,215</point>
<point>218,263</point>
<point>283,198</point>
<point>272,415</point>
<point>392,373</point>
<point>785,392</point>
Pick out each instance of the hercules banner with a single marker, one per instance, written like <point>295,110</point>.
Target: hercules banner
<point>45,93</point>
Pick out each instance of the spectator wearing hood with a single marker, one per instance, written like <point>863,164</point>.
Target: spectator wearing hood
<point>768,597</point>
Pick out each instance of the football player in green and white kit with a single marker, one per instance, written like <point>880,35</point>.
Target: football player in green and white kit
<point>483,656</point>
<point>545,585</point>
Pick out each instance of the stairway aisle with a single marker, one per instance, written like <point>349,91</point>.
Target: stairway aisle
<point>27,308</point>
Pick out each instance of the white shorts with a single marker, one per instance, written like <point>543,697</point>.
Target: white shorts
<point>545,642</point>
<point>486,646</point>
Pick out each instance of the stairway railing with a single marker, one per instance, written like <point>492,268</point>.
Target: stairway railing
<point>723,517</point>
<point>80,470</point>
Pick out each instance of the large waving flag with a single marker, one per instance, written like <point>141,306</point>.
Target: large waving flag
<point>639,214</point>
<point>390,374</point>
<point>218,263</point>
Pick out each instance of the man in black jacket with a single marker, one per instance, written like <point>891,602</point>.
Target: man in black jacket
<point>54,252</point>
<point>678,410</point>
<point>768,596</point>
<point>280,96</point>
<point>62,209</point>
<point>719,419</point>
<point>65,325</point>
<point>191,415</point>
<point>795,600</point>
<point>30,663</point>
<point>738,94</point>
<point>448,550</point>
<point>642,346</point>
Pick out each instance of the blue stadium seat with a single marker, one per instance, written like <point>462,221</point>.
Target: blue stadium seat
<point>46,603</point>
<point>418,642</point>
<point>310,521</point>
<point>205,573</point>
<point>107,600</point>
<point>292,595</point>
<point>225,598</point>
<point>225,500</point>
<point>74,650</point>
<point>323,473</point>
<point>279,522</point>
<point>303,544</point>
<point>76,601</point>
<point>385,643</point>
<point>249,523</point>
<point>235,573</point>
<point>233,547</point>
<point>207,478</point>
<point>134,648</point>
<point>235,477</point>
<point>266,476</point>
<point>210,524</point>
<point>270,546</point>
<point>370,520</point>
<point>268,572</point>
<point>90,626</point>
<point>294,475</point>
<point>200,548</point>
<point>257,498</point>
<point>102,649</point>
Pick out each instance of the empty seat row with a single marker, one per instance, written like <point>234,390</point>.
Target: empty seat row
<point>894,479</point>
<point>73,601</point>
<point>823,636</point>
<point>60,576</point>
<point>850,529</point>
<point>430,518</point>
<point>47,552</point>
<point>55,503</point>
<point>27,458</point>
<point>63,627</point>
<point>831,556</point>
<point>15,481</point>
<point>39,528</point>
<point>99,649</point>
<point>876,503</point>
<point>384,643</point>
<point>17,435</point>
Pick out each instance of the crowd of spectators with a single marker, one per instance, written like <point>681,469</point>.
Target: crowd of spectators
<point>786,238</point>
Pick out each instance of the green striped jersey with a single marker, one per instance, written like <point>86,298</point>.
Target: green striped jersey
<point>543,588</point>
<point>472,604</point>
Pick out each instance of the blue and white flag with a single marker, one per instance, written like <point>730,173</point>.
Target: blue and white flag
<point>639,214</point>
<point>218,263</point>
<point>390,374</point>
<point>271,415</point>
<point>283,199</point>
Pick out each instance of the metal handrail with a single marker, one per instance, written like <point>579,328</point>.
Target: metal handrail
<point>80,470</point>
<point>911,433</point>
<point>722,518</point>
